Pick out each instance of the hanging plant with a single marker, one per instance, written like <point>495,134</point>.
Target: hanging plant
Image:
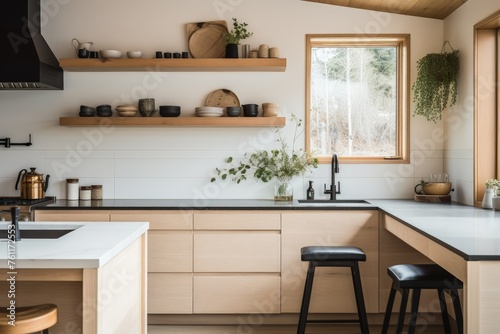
<point>436,86</point>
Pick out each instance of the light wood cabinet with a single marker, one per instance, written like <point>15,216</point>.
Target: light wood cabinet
<point>237,262</point>
<point>332,291</point>
<point>170,259</point>
<point>71,216</point>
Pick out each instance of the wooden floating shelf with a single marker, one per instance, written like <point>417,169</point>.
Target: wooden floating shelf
<point>174,65</point>
<point>175,121</point>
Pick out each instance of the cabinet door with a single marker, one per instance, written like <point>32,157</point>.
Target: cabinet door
<point>233,252</point>
<point>170,293</point>
<point>71,216</point>
<point>237,294</point>
<point>332,291</point>
<point>237,220</point>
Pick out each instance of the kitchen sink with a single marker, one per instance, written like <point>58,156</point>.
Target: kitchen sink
<point>337,202</point>
<point>38,234</point>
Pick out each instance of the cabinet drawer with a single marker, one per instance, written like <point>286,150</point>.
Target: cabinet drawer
<point>72,216</point>
<point>237,252</point>
<point>170,251</point>
<point>237,294</point>
<point>157,221</point>
<point>232,220</point>
<point>170,293</point>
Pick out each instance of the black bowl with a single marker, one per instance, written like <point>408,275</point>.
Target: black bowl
<point>250,110</point>
<point>170,111</point>
<point>104,110</point>
<point>86,111</point>
<point>233,111</point>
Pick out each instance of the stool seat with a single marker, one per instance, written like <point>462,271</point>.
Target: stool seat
<point>29,319</point>
<point>415,277</point>
<point>332,253</point>
<point>333,256</point>
<point>422,276</point>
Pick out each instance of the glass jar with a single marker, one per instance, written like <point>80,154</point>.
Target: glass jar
<point>96,192</point>
<point>283,191</point>
<point>72,187</point>
<point>85,193</point>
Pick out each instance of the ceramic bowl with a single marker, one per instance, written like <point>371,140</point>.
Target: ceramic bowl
<point>233,111</point>
<point>437,188</point>
<point>134,54</point>
<point>170,111</point>
<point>250,110</point>
<point>110,54</point>
<point>126,110</point>
<point>104,110</point>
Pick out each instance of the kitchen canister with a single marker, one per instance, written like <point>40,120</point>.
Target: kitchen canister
<point>274,53</point>
<point>72,189</point>
<point>96,192</point>
<point>85,193</point>
<point>263,51</point>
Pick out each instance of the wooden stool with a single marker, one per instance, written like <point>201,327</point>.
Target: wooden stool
<point>333,256</point>
<point>30,319</point>
<point>406,277</point>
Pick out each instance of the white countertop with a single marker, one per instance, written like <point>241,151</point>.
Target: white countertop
<point>473,233</point>
<point>90,245</point>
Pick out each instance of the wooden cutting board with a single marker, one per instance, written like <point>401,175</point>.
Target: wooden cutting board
<point>206,39</point>
<point>432,198</point>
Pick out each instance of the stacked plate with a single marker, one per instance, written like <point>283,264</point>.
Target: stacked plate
<point>209,111</point>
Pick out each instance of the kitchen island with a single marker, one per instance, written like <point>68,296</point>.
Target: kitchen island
<point>462,239</point>
<point>95,274</point>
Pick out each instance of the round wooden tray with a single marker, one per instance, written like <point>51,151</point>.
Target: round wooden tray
<point>206,39</point>
<point>222,98</point>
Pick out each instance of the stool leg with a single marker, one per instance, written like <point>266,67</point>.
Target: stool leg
<point>360,302</point>
<point>402,311</point>
<point>414,311</point>
<point>388,310</point>
<point>444,311</point>
<point>458,310</point>
<point>45,331</point>
<point>304,309</point>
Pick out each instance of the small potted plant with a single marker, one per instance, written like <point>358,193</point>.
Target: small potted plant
<point>281,164</point>
<point>492,186</point>
<point>234,37</point>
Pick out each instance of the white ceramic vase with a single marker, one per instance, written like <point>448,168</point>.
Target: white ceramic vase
<point>487,198</point>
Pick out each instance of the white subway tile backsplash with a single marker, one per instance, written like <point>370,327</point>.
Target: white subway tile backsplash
<point>80,167</point>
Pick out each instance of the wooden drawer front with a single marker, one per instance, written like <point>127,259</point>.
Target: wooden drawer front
<point>332,290</point>
<point>157,221</point>
<point>170,293</point>
<point>237,294</point>
<point>238,220</point>
<point>170,251</point>
<point>237,252</point>
<point>72,216</point>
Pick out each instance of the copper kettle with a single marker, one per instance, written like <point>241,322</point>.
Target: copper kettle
<point>32,184</point>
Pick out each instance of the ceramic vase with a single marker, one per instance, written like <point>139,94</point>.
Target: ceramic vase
<point>232,51</point>
<point>487,198</point>
<point>283,191</point>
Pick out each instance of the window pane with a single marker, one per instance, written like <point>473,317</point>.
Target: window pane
<point>353,101</point>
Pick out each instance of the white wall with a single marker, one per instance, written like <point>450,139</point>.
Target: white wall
<point>459,121</point>
<point>178,162</point>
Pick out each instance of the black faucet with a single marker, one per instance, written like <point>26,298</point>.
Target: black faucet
<point>14,231</point>
<point>334,189</point>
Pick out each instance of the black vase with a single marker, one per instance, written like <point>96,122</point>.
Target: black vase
<point>232,51</point>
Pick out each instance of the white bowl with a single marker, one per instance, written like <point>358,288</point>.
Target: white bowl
<point>110,54</point>
<point>213,109</point>
<point>134,54</point>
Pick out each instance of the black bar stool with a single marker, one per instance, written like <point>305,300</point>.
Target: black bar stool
<point>29,319</point>
<point>333,256</point>
<point>406,277</point>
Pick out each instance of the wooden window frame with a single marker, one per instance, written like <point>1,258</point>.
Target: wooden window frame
<point>486,104</point>
<point>403,127</point>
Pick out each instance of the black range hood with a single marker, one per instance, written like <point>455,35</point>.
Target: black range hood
<point>26,60</point>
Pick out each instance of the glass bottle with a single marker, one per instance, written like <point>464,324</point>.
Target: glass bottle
<point>310,191</point>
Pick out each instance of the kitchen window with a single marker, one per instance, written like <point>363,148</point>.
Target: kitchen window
<point>357,97</point>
